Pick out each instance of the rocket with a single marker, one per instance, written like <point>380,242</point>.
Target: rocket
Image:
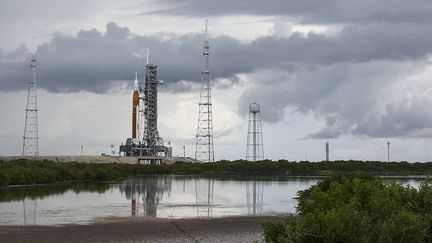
<point>135,106</point>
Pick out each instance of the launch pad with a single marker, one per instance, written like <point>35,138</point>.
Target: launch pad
<point>145,141</point>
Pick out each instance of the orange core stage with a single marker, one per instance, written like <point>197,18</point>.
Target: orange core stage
<point>135,103</point>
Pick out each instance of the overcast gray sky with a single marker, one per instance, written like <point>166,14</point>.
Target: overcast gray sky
<point>356,73</point>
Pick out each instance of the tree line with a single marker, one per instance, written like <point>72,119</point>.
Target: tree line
<point>21,172</point>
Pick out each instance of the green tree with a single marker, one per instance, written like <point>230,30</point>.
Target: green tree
<point>357,208</point>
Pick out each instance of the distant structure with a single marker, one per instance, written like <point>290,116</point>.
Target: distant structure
<point>31,134</point>
<point>148,145</point>
<point>184,151</point>
<point>113,150</point>
<point>388,151</point>
<point>327,151</point>
<point>255,146</point>
<point>204,137</point>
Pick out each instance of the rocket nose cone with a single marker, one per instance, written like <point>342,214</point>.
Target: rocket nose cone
<point>136,84</point>
<point>136,81</point>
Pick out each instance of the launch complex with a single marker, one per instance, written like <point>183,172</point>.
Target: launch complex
<point>145,143</point>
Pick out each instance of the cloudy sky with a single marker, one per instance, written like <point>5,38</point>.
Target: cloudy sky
<point>355,73</point>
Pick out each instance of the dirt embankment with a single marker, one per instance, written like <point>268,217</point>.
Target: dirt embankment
<point>229,229</point>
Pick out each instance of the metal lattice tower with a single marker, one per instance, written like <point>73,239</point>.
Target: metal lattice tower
<point>151,136</point>
<point>255,145</point>
<point>31,136</point>
<point>204,137</point>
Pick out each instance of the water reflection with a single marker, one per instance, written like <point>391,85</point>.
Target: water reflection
<point>27,197</point>
<point>29,211</point>
<point>159,196</point>
<point>147,192</point>
<point>255,195</point>
<point>20,193</point>
<point>204,198</point>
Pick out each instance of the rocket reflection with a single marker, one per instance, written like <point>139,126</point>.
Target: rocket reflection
<point>152,197</point>
<point>148,191</point>
<point>146,194</point>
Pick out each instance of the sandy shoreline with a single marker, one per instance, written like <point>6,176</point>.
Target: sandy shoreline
<point>142,229</point>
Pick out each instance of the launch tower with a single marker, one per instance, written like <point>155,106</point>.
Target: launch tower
<point>151,137</point>
<point>145,141</point>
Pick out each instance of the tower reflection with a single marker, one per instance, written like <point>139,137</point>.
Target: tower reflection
<point>192,194</point>
<point>254,196</point>
<point>204,191</point>
<point>29,211</point>
<point>148,191</point>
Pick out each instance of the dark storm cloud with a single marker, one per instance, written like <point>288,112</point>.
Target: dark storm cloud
<point>323,11</point>
<point>92,60</point>
<point>374,99</point>
<point>341,79</point>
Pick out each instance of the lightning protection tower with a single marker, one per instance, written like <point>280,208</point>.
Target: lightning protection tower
<point>30,138</point>
<point>204,137</point>
<point>255,146</point>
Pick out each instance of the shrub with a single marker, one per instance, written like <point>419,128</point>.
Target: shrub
<point>353,208</point>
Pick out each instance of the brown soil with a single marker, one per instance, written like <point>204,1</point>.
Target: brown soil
<point>141,229</point>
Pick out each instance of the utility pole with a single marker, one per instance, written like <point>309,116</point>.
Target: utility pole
<point>184,151</point>
<point>388,151</point>
<point>327,151</point>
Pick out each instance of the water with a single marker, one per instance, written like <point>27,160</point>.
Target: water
<point>162,196</point>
